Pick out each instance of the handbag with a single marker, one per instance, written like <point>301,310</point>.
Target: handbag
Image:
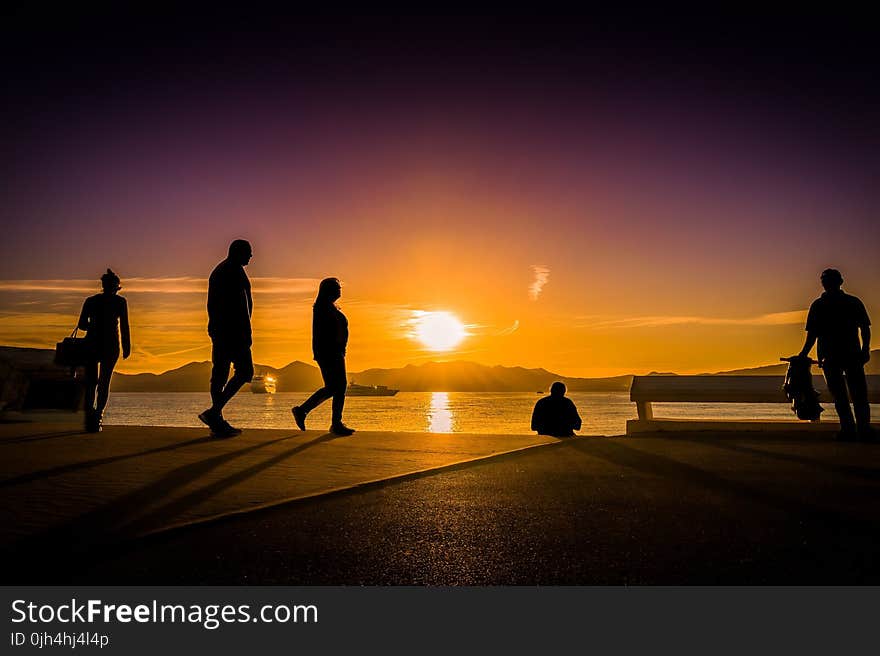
<point>73,351</point>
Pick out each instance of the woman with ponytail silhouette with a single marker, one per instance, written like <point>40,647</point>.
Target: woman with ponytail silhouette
<point>329,339</point>
<point>103,317</point>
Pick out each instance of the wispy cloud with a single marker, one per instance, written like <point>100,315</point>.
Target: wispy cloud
<point>542,275</point>
<point>84,286</point>
<point>168,317</point>
<point>509,330</point>
<point>179,285</point>
<point>284,285</point>
<point>149,357</point>
<point>772,319</point>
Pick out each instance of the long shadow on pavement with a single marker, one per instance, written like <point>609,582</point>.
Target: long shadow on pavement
<point>870,473</point>
<point>37,437</point>
<point>107,524</point>
<point>615,452</point>
<point>82,533</point>
<point>91,537</point>
<point>76,466</point>
<point>153,520</point>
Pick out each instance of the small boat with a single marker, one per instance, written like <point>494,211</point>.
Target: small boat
<point>263,384</point>
<point>369,390</point>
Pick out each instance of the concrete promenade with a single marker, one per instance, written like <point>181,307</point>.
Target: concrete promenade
<point>779,508</point>
<point>131,481</point>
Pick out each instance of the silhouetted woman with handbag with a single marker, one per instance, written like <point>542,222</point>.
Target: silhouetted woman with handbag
<point>103,317</point>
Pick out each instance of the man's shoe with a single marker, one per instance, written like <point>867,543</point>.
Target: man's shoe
<point>224,429</point>
<point>229,428</point>
<point>299,416</point>
<point>210,418</point>
<point>341,429</point>
<point>846,436</point>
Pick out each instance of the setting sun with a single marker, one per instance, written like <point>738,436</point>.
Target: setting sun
<point>438,331</point>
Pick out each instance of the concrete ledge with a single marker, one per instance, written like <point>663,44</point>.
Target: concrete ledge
<point>635,426</point>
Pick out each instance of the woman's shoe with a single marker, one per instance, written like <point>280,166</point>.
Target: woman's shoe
<point>299,416</point>
<point>93,422</point>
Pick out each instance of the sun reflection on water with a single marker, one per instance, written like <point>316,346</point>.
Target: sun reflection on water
<point>439,413</point>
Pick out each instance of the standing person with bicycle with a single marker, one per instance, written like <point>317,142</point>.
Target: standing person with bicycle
<point>837,320</point>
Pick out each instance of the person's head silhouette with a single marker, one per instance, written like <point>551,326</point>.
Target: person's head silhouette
<point>329,290</point>
<point>831,280</point>
<point>557,389</point>
<point>240,252</point>
<point>110,282</point>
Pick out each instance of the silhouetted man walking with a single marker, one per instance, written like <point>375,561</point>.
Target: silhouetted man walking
<point>556,414</point>
<point>229,324</point>
<point>835,320</point>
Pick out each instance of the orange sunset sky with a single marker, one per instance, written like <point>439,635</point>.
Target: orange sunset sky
<point>590,201</point>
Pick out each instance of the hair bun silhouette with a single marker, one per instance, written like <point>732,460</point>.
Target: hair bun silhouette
<point>110,280</point>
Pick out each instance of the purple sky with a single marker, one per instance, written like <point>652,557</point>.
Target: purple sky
<point>709,169</point>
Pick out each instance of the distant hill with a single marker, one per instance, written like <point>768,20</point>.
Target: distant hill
<point>872,368</point>
<point>429,377</point>
<point>472,377</point>
<point>194,377</point>
<point>296,377</point>
<point>188,378</point>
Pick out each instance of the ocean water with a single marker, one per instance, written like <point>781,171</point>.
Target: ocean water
<point>437,412</point>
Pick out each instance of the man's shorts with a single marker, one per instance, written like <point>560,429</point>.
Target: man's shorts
<point>238,355</point>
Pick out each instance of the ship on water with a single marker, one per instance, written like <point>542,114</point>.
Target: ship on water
<point>369,390</point>
<point>263,384</point>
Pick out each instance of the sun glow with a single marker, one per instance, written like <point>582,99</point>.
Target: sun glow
<point>438,331</point>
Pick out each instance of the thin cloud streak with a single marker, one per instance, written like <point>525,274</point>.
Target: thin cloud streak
<point>509,330</point>
<point>181,285</point>
<point>794,317</point>
<point>156,356</point>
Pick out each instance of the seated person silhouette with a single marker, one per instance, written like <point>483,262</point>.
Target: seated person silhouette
<point>556,414</point>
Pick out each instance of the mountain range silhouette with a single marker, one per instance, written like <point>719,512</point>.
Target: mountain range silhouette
<point>456,376</point>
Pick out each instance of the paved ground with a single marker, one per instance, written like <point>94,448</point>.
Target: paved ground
<point>650,510</point>
<point>87,489</point>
